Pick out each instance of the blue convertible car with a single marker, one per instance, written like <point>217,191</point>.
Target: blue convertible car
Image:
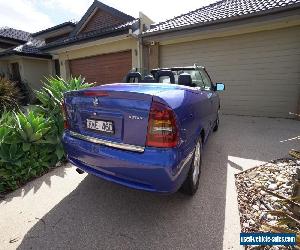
<point>146,133</point>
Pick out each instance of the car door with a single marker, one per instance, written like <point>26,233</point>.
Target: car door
<point>211,95</point>
<point>203,106</point>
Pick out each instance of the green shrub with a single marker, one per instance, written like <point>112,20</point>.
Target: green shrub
<point>51,97</point>
<point>30,143</point>
<point>10,95</point>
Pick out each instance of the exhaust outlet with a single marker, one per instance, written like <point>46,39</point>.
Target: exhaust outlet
<point>79,171</point>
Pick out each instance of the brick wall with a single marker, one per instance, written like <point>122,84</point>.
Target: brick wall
<point>100,20</point>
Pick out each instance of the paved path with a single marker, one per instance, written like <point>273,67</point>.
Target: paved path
<point>65,210</point>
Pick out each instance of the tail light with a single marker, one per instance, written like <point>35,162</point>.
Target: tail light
<point>162,127</point>
<point>64,114</point>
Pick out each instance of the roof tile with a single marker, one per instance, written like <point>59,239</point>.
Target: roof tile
<point>90,35</point>
<point>221,10</point>
<point>15,34</point>
<point>61,25</point>
<point>30,46</point>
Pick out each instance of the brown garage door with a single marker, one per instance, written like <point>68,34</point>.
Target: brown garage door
<point>107,68</point>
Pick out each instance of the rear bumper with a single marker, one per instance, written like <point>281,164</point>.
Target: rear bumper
<point>154,170</point>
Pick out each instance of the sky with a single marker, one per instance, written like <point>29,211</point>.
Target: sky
<point>36,15</point>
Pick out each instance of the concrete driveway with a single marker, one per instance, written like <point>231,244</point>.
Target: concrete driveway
<point>64,210</point>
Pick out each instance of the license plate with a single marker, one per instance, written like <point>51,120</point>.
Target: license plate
<point>99,125</point>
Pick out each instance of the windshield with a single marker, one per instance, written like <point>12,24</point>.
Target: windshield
<point>199,77</point>
<point>196,77</point>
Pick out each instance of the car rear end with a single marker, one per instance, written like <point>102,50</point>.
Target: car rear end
<point>125,134</point>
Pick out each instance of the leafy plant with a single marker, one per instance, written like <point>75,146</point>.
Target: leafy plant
<point>29,145</point>
<point>30,142</point>
<point>51,96</point>
<point>10,95</point>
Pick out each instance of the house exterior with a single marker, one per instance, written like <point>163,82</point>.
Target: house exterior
<point>251,46</point>
<point>102,47</point>
<point>21,59</point>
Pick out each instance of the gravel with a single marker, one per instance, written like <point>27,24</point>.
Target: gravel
<point>276,176</point>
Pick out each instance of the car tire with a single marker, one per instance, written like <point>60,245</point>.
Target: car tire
<point>191,183</point>
<point>217,122</point>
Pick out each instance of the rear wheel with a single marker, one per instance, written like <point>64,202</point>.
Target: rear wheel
<point>216,123</point>
<point>191,183</point>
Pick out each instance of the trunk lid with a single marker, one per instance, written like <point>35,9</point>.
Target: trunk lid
<point>123,108</point>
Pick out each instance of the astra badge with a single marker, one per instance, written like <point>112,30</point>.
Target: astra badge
<point>134,117</point>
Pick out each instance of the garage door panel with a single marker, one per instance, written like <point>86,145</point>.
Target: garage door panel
<point>291,78</point>
<point>273,111</point>
<point>261,102</point>
<point>274,86</point>
<point>268,70</point>
<point>242,59</point>
<point>245,42</point>
<point>239,51</point>
<point>261,70</point>
<point>268,91</point>
<point>102,69</point>
<point>246,60</point>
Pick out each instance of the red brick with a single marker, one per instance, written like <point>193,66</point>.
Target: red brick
<point>100,20</point>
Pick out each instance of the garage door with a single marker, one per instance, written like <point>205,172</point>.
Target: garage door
<point>261,70</point>
<point>107,68</point>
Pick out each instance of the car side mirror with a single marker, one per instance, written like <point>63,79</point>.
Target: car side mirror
<point>220,86</point>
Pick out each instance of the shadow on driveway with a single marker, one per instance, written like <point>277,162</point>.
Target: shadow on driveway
<point>101,215</point>
<point>34,185</point>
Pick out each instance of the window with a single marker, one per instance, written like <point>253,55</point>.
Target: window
<point>164,79</point>
<point>195,74</point>
<point>196,78</point>
<point>57,67</point>
<point>133,80</point>
<point>206,80</point>
<point>15,73</point>
<point>200,79</point>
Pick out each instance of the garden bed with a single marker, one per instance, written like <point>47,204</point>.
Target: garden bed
<point>260,190</point>
<point>30,139</point>
<point>4,193</point>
